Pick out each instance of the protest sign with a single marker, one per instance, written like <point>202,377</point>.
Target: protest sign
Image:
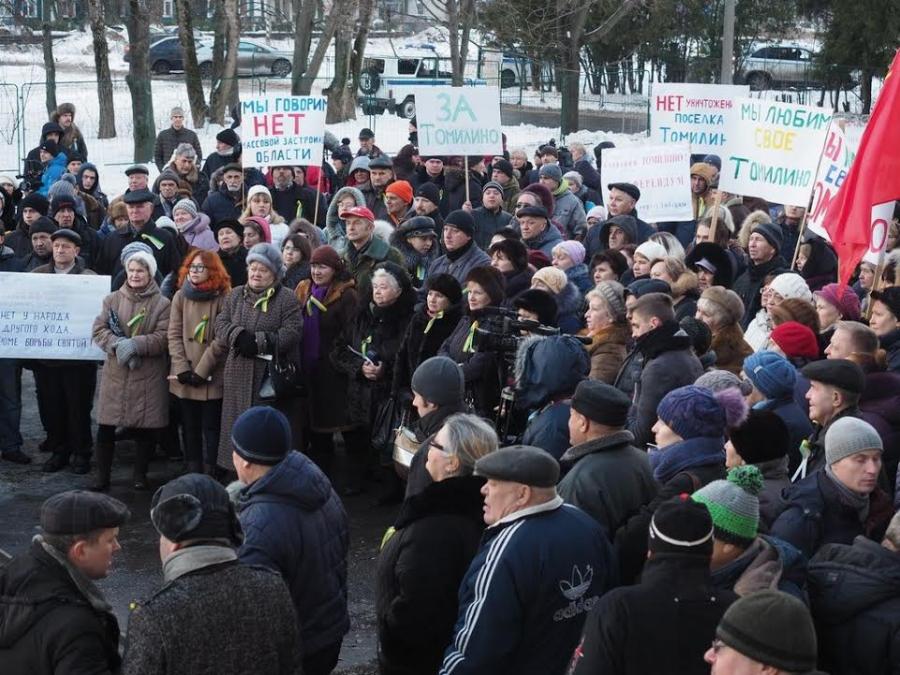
<point>693,113</point>
<point>661,172</point>
<point>837,156</point>
<point>283,130</point>
<point>459,121</point>
<point>773,150</point>
<point>50,316</point>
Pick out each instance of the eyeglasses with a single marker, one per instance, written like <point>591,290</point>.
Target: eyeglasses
<point>196,268</point>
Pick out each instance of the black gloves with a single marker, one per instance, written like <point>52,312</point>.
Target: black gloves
<point>245,344</point>
<point>185,377</point>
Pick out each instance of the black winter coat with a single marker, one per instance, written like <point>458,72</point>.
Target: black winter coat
<point>487,223</point>
<point>419,572</point>
<point>662,626</point>
<point>748,284</point>
<point>815,515</point>
<point>453,195</point>
<point>48,624</point>
<point>294,523</point>
<point>386,328</point>
<point>608,478</point>
<point>855,596</point>
<point>160,241</point>
<point>220,205</point>
<point>418,345</point>
<point>480,369</point>
<point>236,265</point>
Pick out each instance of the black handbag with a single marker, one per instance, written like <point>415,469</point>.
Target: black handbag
<point>282,380</point>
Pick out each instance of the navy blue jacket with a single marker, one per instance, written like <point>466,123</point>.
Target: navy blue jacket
<point>220,206</point>
<point>523,602</point>
<point>815,515</point>
<point>295,524</point>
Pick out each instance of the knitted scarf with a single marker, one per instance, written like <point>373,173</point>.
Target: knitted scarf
<point>702,451</point>
<point>199,293</point>
<point>312,315</point>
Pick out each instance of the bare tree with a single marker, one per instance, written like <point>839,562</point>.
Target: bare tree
<point>304,12</point>
<point>192,78</point>
<point>138,79</point>
<point>107,123</point>
<point>304,86</point>
<point>348,61</point>
<point>458,17</point>
<point>225,88</point>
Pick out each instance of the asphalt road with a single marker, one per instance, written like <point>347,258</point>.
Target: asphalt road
<point>136,572</point>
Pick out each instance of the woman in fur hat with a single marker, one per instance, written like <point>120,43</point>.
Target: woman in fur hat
<point>721,309</point>
<point>682,281</point>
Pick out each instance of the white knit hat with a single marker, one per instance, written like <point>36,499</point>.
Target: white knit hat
<point>651,250</point>
<point>258,190</point>
<point>146,258</point>
<point>791,285</point>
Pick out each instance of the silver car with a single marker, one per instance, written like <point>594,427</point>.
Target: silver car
<point>253,59</point>
<point>777,64</point>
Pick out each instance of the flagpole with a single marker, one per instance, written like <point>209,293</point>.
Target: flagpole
<point>809,203</point>
<point>318,192</point>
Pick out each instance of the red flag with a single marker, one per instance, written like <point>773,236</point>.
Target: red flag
<point>874,178</point>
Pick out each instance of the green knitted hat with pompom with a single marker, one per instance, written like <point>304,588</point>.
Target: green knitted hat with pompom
<point>733,504</point>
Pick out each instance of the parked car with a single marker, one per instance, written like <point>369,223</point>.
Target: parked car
<point>253,59</point>
<point>390,83</point>
<point>166,54</point>
<point>777,64</point>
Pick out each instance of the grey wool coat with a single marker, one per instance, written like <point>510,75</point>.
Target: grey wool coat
<point>283,325</point>
<point>134,398</point>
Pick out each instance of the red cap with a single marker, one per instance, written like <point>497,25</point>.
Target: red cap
<point>795,339</point>
<point>359,212</point>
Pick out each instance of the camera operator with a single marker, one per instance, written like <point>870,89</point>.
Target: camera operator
<point>547,371</point>
<point>536,305</point>
<point>484,289</point>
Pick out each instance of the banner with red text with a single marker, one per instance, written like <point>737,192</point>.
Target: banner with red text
<point>691,113</point>
<point>283,130</point>
<point>840,148</point>
<point>661,173</point>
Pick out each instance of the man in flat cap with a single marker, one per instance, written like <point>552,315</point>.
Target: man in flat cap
<point>835,388</point>
<point>53,619</point>
<point>141,227</point>
<point>606,475</point>
<point>541,567</point>
<point>213,614</point>
<point>66,387</point>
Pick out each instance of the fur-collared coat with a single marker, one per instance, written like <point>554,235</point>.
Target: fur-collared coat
<point>731,349</point>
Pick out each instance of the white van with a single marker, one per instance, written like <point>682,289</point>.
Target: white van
<point>390,83</point>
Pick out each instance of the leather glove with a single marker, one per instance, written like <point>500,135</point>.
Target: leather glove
<point>185,377</point>
<point>196,380</point>
<point>126,350</point>
<point>245,344</point>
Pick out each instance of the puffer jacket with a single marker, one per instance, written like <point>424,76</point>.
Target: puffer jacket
<point>187,351</point>
<point>767,564</point>
<point>135,398</point>
<point>570,309</point>
<point>855,596</point>
<point>55,168</point>
<point>460,268</point>
<point>295,524</point>
<point>52,621</point>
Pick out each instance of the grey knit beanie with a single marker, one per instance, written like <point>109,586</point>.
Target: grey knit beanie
<point>733,504</point>
<point>186,205</point>
<point>439,380</point>
<point>269,256</point>
<point>717,380</point>
<point>850,435</point>
<point>613,294</point>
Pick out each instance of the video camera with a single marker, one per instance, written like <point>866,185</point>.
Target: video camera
<point>501,332</point>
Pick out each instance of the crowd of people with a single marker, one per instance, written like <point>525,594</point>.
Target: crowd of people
<point>635,447</point>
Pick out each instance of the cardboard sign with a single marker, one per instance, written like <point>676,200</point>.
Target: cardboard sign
<point>838,153</point>
<point>283,130</point>
<point>695,114</point>
<point>773,150</point>
<point>459,121</point>
<point>50,316</point>
<point>661,172</point>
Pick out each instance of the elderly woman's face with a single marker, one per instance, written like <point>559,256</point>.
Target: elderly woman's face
<point>384,291</point>
<point>707,316</point>
<point>259,277</point>
<point>138,274</point>
<point>440,463</point>
<point>251,237</point>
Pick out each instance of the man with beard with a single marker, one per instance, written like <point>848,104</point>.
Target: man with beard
<point>71,140</point>
<point>294,201</point>
<point>227,201</point>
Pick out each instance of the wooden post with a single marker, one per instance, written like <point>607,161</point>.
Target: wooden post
<point>809,203</point>
<point>799,238</point>
<point>876,283</point>
<point>466,164</point>
<point>318,192</point>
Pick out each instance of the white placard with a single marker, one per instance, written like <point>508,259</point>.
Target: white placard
<point>661,172</point>
<point>838,153</point>
<point>459,121</point>
<point>50,316</point>
<point>773,150</point>
<point>283,130</point>
<point>695,114</point>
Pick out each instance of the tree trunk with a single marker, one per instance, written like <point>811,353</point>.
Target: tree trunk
<point>225,88</point>
<point>315,63</point>
<point>571,30</point>
<point>456,68</point>
<point>304,17</point>
<point>220,37</point>
<point>50,68</point>
<point>107,122</point>
<point>366,9</point>
<point>192,79</point>
<point>138,80</point>
<point>338,88</point>
<point>865,89</point>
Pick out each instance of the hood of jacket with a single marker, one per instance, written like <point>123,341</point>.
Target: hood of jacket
<point>331,218</point>
<point>846,580</point>
<point>628,223</point>
<point>197,225</point>
<point>88,166</point>
<point>549,367</point>
<point>761,567</point>
<point>294,481</point>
